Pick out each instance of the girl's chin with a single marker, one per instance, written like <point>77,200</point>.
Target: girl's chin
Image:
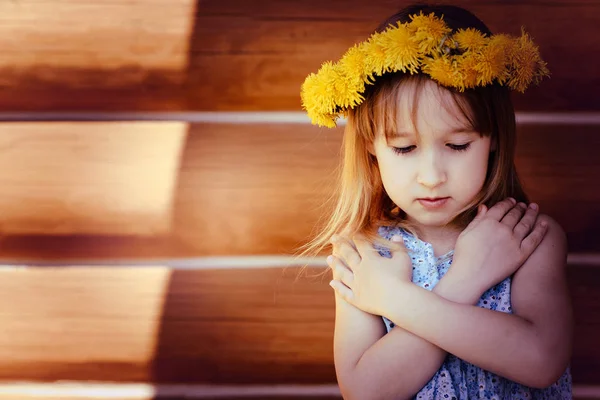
<point>431,219</point>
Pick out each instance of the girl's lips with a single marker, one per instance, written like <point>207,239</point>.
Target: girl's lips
<point>434,203</point>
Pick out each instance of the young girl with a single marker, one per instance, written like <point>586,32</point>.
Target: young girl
<point>448,286</point>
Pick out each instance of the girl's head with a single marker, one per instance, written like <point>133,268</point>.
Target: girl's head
<point>412,138</point>
<point>419,139</point>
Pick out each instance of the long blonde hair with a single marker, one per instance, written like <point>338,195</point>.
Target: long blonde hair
<point>359,203</point>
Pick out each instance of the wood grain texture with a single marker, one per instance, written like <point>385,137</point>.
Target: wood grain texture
<point>116,55</point>
<point>106,35</point>
<point>89,178</point>
<point>234,55</point>
<point>263,326</point>
<point>584,284</point>
<point>253,189</point>
<point>560,169</point>
<point>256,55</point>
<point>266,184</point>
<point>106,324</point>
<point>257,189</point>
<point>97,249</point>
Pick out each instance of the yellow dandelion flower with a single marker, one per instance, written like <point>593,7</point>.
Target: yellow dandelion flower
<point>353,64</point>
<point>469,39</point>
<point>347,87</point>
<point>401,52</point>
<point>541,72</point>
<point>441,70</point>
<point>505,45</point>
<point>505,41</point>
<point>467,65</point>
<point>375,56</point>
<point>318,93</point>
<point>526,64</point>
<point>429,31</point>
<point>311,93</point>
<point>325,120</point>
<point>491,63</point>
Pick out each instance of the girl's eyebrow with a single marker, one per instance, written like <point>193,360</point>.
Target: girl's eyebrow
<point>399,134</point>
<point>463,129</point>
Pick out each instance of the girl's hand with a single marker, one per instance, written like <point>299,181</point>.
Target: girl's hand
<point>364,278</point>
<point>497,242</point>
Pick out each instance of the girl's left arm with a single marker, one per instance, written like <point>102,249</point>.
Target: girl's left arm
<point>532,347</point>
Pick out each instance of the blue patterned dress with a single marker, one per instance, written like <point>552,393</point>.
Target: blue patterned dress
<point>457,379</point>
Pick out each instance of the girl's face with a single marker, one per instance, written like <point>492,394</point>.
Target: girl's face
<point>434,168</point>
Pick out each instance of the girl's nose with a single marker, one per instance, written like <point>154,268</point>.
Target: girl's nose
<point>431,172</point>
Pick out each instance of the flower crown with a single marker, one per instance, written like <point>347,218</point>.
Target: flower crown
<point>462,60</point>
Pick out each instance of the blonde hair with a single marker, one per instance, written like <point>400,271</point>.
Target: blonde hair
<point>359,203</point>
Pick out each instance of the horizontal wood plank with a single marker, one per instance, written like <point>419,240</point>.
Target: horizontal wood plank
<point>122,325</point>
<point>88,191</point>
<point>257,56</point>
<point>263,184</point>
<point>86,55</point>
<point>266,184</point>
<point>252,326</point>
<point>84,34</point>
<point>96,249</point>
<point>229,55</point>
<point>89,178</point>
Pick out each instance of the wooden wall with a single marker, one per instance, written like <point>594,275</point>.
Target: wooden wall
<point>154,251</point>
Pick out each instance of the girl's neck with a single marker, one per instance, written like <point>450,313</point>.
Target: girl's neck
<point>442,238</point>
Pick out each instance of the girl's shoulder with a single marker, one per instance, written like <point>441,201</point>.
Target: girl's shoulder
<point>555,239</point>
<point>550,255</point>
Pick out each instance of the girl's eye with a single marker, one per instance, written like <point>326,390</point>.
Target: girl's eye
<point>459,147</point>
<point>403,150</point>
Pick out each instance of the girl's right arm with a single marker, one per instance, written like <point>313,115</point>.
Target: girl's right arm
<point>373,365</point>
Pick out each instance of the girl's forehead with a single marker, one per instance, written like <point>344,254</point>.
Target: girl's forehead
<point>427,107</point>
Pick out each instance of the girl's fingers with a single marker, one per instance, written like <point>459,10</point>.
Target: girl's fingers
<point>342,290</point>
<point>501,208</point>
<point>527,223</point>
<point>512,218</point>
<point>345,251</point>
<point>481,211</point>
<point>531,242</point>
<point>340,271</point>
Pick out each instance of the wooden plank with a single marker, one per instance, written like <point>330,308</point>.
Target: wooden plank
<point>70,54</point>
<point>107,35</point>
<point>584,284</point>
<point>98,391</point>
<point>129,325</point>
<point>234,56</point>
<point>96,249</point>
<point>253,326</point>
<point>89,178</point>
<point>255,189</point>
<point>154,93</point>
<point>255,56</point>
<point>560,170</point>
<point>266,184</point>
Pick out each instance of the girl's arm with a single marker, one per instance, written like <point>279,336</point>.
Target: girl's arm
<point>395,366</point>
<point>532,347</point>
<point>401,363</point>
